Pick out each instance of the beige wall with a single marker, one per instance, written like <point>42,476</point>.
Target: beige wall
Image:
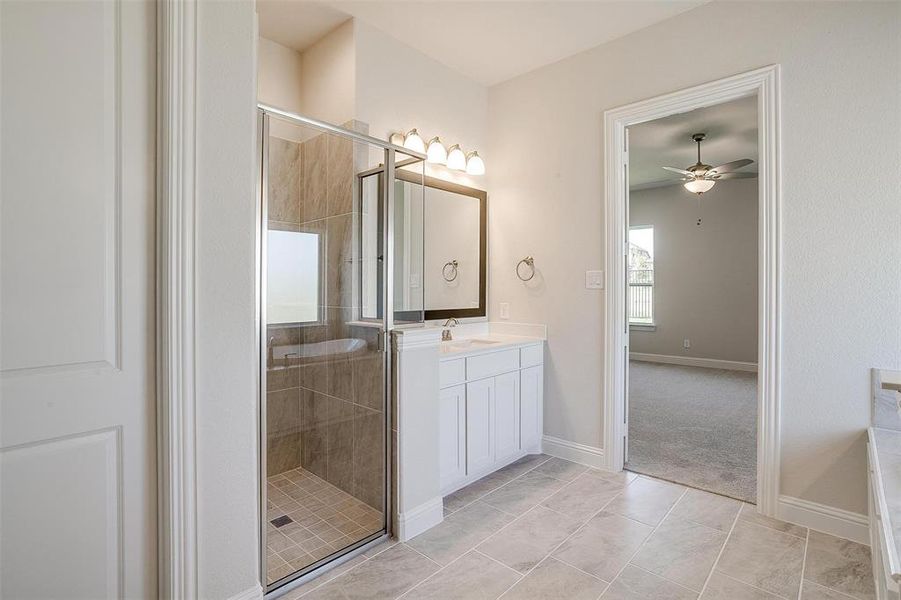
<point>841,253</point>
<point>705,277</point>
<point>328,66</point>
<point>224,330</point>
<point>279,74</point>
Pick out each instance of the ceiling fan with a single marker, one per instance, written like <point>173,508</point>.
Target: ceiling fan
<point>700,178</point>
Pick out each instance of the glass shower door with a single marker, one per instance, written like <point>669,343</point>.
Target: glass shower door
<point>324,411</point>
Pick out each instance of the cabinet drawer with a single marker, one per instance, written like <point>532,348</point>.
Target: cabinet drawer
<point>486,365</point>
<point>451,372</point>
<point>531,356</point>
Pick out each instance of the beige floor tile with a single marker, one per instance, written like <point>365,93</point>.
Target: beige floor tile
<point>635,584</point>
<point>646,500</point>
<point>472,492</point>
<point>386,576</point>
<point>721,587</point>
<point>527,540</point>
<point>561,469</point>
<point>764,558</point>
<point>604,545</point>
<point>717,512</point>
<point>473,576</point>
<point>812,591</point>
<point>624,477</point>
<point>460,532</point>
<point>523,493</point>
<point>553,580</point>
<point>840,564</point>
<point>681,551</point>
<point>523,465</point>
<point>584,496</point>
<point>749,513</point>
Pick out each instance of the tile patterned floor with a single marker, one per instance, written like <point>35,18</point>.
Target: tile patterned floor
<point>546,528</point>
<point>309,519</point>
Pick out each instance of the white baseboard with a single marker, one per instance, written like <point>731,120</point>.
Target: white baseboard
<point>689,361</point>
<point>422,518</point>
<point>835,521</point>
<point>254,593</point>
<point>578,453</point>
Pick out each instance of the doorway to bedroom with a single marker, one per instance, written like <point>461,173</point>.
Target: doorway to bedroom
<point>692,298</point>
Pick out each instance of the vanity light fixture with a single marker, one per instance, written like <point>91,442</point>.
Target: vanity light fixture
<point>456,160</point>
<point>414,142</point>
<point>397,139</point>
<point>436,152</point>
<point>474,164</point>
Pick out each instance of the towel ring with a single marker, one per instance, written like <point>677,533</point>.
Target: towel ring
<point>453,270</point>
<point>529,262</point>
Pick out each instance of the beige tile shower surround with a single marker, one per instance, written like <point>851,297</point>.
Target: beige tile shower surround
<point>324,415</point>
<point>545,528</point>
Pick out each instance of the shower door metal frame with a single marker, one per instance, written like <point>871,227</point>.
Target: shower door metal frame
<point>264,113</point>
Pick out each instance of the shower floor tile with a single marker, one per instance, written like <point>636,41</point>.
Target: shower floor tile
<point>308,519</point>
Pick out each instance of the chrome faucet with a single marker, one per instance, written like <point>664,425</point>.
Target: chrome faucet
<point>446,334</point>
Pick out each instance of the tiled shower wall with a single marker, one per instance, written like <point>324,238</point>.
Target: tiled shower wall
<point>325,414</point>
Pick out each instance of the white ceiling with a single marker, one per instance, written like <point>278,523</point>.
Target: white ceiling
<point>488,41</point>
<point>297,24</point>
<point>731,130</point>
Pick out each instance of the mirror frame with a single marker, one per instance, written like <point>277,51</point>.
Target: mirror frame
<point>482,196</point>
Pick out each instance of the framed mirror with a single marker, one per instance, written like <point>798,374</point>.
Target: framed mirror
<point>454,238</point>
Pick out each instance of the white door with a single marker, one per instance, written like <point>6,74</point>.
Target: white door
<point>531,389</point>
<point>479,425</point>
<point>506,415</point>
<point>452,424</point>
<point>77,439</point>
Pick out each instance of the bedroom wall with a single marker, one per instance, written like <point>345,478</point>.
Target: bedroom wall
<point>705,277</point>
<point>841,255</point>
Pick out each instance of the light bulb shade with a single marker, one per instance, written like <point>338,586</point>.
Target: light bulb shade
<point>414,142</point>
<point>456,159</point>
<point>474,164</point>
<point>699,186</point>
<point>397,139</point>
<point>436,152</point>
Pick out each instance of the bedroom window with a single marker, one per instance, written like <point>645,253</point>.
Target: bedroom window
<point>641,275</point>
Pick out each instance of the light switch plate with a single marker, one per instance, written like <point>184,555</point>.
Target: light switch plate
<point>594,280</point>
<point>505,310</point>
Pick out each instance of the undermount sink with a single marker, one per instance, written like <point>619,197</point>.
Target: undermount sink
<point>468,343</point>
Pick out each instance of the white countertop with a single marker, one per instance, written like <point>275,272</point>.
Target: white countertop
<point>885,459</point>
<point>481,344</point>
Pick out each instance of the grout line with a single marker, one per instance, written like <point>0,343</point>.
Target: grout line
<point>675,583</point>
<point>491,491</point>
<point>645,541</point>
<point>804,564</point>
<point>518,574</point>
<point>720,553</point>
<point>440,566</point>
<point>745,583</point>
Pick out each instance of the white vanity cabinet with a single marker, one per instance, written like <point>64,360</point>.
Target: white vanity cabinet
<point>491,411</point>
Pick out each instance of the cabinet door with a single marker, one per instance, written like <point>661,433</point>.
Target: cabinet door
<point>506,411</point>
<point>531,391</point>
<point>452,433</point>
<point>479,425</point>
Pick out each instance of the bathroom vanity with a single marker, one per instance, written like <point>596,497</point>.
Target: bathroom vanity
<point>490,405</point>
<point>464,408</point>
<point>884,478</point>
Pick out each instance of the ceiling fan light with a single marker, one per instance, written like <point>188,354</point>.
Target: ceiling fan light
<point>474,164</point>
<point>699,186</point>
<point>436,152</point>
<point>456,159</point>
<point>414,142</point>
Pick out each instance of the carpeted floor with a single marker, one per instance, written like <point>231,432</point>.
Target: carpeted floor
<point>694,426</point>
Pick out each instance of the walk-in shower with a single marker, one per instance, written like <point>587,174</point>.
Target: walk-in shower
<point>327,263</point>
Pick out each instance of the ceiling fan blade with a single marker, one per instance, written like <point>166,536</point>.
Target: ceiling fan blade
<point>679,171</point>
<point>742,175</point>
<point>730,166</point>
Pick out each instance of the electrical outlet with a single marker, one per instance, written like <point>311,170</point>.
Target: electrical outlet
<point>594,280</point>
<point>505,310</point>
<point>686,343</point>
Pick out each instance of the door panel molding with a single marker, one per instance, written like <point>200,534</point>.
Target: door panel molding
<point>176,34</point>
